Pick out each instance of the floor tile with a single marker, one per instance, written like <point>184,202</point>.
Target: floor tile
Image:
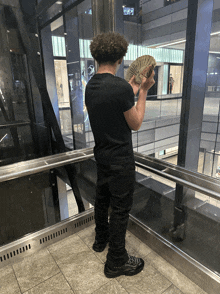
<point>88,235</point>
<point>112,287</point>
<point>147,282</point>
<point>132,240</point>
<point>141,249</point>
<point>68,246</point>
<point>101,255</point>
<point>172,274</point>
<point>8,282</point>
<point>56,285</point>
<point>83,271</point>
<point>172,290</point>
<point>35,269</point>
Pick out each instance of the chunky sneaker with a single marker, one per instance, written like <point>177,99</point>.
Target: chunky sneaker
<point>99,246</point>
<point>132,267</point>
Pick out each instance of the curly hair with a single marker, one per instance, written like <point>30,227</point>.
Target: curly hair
<point>108,47</point>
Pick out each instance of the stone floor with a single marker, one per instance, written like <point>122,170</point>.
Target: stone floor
<point>71,266</point>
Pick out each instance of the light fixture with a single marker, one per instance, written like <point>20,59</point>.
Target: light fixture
<point>3,137</point>
<point>216,33</point>
<point>214,52</point>
<point>184,40</point>
<point>173,43</point>
<point>59,2</point>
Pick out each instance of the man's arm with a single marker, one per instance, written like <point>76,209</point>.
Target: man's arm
<point>135,115</point>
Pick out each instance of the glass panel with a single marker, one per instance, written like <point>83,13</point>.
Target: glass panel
<point>209,144</point>
<point>73,66</point>
<point>33,203</point>
<point>20,114</point>
<point>154,206</point>
<point>160,33</point>
<point>28,206</point>
<point>80,66</point>
<point>51,12</point>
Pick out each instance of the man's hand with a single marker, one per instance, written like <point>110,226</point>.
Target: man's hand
<point>134,85</point>
<point>147,83</point>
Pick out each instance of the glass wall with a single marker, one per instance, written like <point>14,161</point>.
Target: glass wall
<point>160,33</point>
<point>153,206</point>
<point>70,35</point>
<point>209,145</point>
<point>144,38</point>
<point>22,128</point>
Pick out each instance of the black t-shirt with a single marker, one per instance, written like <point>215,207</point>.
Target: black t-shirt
<point>107,97</point>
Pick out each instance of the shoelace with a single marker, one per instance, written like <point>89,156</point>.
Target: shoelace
<point>133,260</point>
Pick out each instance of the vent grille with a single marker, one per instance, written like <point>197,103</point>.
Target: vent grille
<point>53,236</point>
<point>36,241</point>
<point>15,252</point>
<point>83,222</point>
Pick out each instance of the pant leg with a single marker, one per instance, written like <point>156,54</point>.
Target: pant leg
<point>121,186</point>
<point>102,203</point>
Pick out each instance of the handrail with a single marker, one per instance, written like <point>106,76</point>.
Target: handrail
<point>193,180</point>
<point>29,167</point>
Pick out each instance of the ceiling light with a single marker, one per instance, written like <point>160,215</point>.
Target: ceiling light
<point>214,52</point>
<point>173,43</point>
<point>59,2</point>
<point>178,42</point>
<point>216,33</point>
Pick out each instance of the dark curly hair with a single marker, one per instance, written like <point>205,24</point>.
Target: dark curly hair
<point>108,47</point>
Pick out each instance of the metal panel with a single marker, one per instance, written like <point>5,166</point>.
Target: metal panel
<point>155,14</point>
<point>168,29</point>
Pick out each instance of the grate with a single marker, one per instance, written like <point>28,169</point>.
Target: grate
<point>53,236</point>
<point>15,252</point>
<point>34,242</point>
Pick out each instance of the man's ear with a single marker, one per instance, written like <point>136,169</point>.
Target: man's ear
<point>120,60</point>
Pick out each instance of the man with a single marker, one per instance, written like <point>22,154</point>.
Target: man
<point>112,114</point>
<point>171,82</point>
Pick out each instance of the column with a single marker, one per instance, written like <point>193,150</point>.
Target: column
<point>199,24</point>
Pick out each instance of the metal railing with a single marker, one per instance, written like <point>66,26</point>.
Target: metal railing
<point>193,180</point>
<point>29,167</point>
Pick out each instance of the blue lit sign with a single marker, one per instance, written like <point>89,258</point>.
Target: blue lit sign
<point>128,11</point>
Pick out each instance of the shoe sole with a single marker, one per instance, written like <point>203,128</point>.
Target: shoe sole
<point>112,274</point>
<point>99,249</point>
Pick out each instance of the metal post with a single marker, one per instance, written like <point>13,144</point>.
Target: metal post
<point>199,24</point>
<point>107,16</point>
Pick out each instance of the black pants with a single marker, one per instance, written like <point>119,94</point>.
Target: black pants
<point>115,187</point>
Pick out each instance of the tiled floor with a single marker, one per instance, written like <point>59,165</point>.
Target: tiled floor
<point>71,266</point>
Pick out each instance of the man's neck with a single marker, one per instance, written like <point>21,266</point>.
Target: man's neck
<point>107,68</point>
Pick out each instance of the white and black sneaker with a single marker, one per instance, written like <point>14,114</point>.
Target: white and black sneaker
<point>132,267</point>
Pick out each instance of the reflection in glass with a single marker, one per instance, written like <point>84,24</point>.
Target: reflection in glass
<point>209,144</point>
<point>15,94</point>
<point>153,206</point>
<point>73,67</point>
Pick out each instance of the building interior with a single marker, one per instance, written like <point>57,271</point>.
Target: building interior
<point>47,166</point>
